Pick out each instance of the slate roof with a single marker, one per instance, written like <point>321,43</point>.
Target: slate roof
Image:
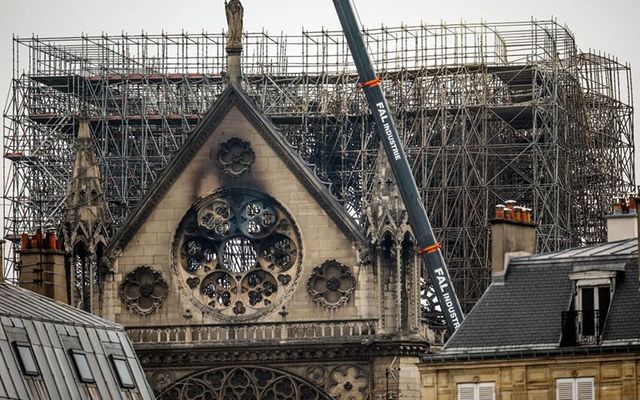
<point>233,95</point>
<point>525,312</point>
<point>52,329</point>
<point>16,302</point>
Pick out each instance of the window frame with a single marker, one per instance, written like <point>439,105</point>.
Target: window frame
<point>574,386</point>
<point>476,389</point>
<point>113,358</point>
<point>16,347</point>
<point>74,353</point>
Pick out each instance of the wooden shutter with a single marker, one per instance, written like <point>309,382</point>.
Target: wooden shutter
<point>584,389</point>
<point>565,389</point>
<point>466,391</point>
<point>486,391</point>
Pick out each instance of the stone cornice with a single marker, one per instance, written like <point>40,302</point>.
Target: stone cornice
<point>166,354</point>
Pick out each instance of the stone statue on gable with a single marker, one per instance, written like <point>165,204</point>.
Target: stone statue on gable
<point>235,12</point>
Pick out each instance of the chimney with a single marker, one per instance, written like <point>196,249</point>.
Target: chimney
<point>513,234</point>
<point>42,265</point>
<point>622,222</point>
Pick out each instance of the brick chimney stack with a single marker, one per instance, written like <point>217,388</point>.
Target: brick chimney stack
<point>42,265</point>
<point>513,234</point>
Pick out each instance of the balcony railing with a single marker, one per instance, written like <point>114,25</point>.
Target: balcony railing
<point>225,334</point>
<point>581,327</point>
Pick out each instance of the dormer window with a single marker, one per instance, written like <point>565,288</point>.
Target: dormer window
<point>592,305</point>
<point>593,290</point>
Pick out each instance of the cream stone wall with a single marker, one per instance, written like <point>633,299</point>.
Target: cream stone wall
<point>321,238</point>
<point>616,377</point>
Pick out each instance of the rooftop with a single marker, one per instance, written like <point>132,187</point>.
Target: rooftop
<point>525,312</point>
<point>51,350</point>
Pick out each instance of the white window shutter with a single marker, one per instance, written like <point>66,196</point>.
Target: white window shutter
<point>565,389</point>
<point>466,391</point>
<point>585,389</point>
<point>486,391</point>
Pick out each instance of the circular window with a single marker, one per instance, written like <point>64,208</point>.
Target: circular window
<point>238,253</point>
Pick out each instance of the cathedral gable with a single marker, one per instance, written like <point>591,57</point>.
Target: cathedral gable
<point>240,229</point>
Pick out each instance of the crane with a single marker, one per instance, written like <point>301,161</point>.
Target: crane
<point>428,247</point>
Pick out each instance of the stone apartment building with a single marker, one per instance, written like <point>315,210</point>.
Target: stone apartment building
<point>559,326</point>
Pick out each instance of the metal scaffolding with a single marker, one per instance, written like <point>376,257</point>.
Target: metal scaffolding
<point>488,112</point>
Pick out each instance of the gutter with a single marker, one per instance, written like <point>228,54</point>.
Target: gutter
<point>529,353</point>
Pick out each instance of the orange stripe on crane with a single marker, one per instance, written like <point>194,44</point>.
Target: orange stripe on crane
<point>432,248</point>
<point>373,82</point>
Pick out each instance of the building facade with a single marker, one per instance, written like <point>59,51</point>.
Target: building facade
<point>240,275</point>
<point>551,326</point>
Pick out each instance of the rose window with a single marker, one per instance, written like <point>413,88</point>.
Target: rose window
<point>238,253</point>
<point>331,284</point>
<point>235,157</point>
<point>144,290</point>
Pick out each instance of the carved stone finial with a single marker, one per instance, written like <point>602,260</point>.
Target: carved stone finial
<point>235,12</point>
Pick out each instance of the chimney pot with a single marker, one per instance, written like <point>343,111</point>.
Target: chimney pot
<point>617,205</point>
<point>508,215</point>
<point>517,214</point>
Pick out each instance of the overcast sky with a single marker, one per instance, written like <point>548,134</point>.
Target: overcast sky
<point>611,26</point>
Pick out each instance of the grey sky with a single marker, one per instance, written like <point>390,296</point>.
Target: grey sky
<point>610,26</point>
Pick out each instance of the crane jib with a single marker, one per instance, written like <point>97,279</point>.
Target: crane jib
<point>384,118</point>
<point>429,249</point>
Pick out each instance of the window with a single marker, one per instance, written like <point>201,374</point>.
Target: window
<point>585,323</point>
<point>121,366</point>
<point>238,251</point>
<point>476,391</point>
<point>26,359</point>
<point>575,389</point>
<point>82,366</point>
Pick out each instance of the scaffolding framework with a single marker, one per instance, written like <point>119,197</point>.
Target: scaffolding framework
<point>487,112</point>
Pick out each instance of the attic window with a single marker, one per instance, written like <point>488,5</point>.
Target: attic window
<point>123,372</point>
<point>585,323</point>
<point>81,365</point>
<point>26,359</point>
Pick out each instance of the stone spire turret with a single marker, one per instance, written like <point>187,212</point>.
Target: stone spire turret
<point>386,210</point>
<point>84,230</point>
<point>398,266</point>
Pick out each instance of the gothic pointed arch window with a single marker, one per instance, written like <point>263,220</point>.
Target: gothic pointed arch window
<point>387,248</point>
<point>259,383</point>
<point>410,309</point>
<point>237,254</point>
<point>83,267</point>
